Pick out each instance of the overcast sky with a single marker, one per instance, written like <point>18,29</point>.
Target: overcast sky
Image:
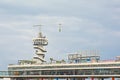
<point>86,25</point>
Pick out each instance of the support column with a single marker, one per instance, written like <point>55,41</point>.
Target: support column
<point>41,78</point>
<point>50,78</point>
<point>74,79</point>
<point>102,78</point>
<point>56,78</point>
<point>92,78</point>
<point>80,78</point>
<point>83,78</point>
<point>113,78</point>
<point>67,79</point>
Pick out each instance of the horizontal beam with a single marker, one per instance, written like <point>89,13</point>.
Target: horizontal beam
<point>60,76</point>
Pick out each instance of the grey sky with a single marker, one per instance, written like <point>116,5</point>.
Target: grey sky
<point>86,25</point>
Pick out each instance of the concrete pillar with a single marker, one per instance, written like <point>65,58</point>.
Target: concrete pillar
<point>50,78</point>
<point>74,79</point>
<point>56,78</point>
<point>98,78</point>
<point>80,78</point>
<point>83,78</point>
<point>113,78</point>
<point>92,78</point>
<point>67,78</point>
<point>41,78</point>
<point>102,78</point>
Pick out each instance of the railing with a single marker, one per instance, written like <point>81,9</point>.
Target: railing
<point>4,74</point>
<point>60,73</point>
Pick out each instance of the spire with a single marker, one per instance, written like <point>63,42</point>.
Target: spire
<point>60,27</point>
<point>40,26</point>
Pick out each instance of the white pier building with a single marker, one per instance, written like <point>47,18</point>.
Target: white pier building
<point>80,66</point>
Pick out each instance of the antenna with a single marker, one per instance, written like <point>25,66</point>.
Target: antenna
<point>60,27</point>
<point>38,26</point>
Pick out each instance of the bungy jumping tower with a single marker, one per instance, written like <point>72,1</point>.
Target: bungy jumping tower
<point>39,44</point>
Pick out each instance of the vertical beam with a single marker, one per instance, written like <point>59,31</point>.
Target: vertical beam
<point>74,79</point>
<point>102,78</point>
<point>79,78</point>
<point>67,79</point>
<point>42,78</point>
<point>56,78</point>
<point>50,78</point>
<point>92,78</point>
<point>113,78</point>
<point>83,78</point>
